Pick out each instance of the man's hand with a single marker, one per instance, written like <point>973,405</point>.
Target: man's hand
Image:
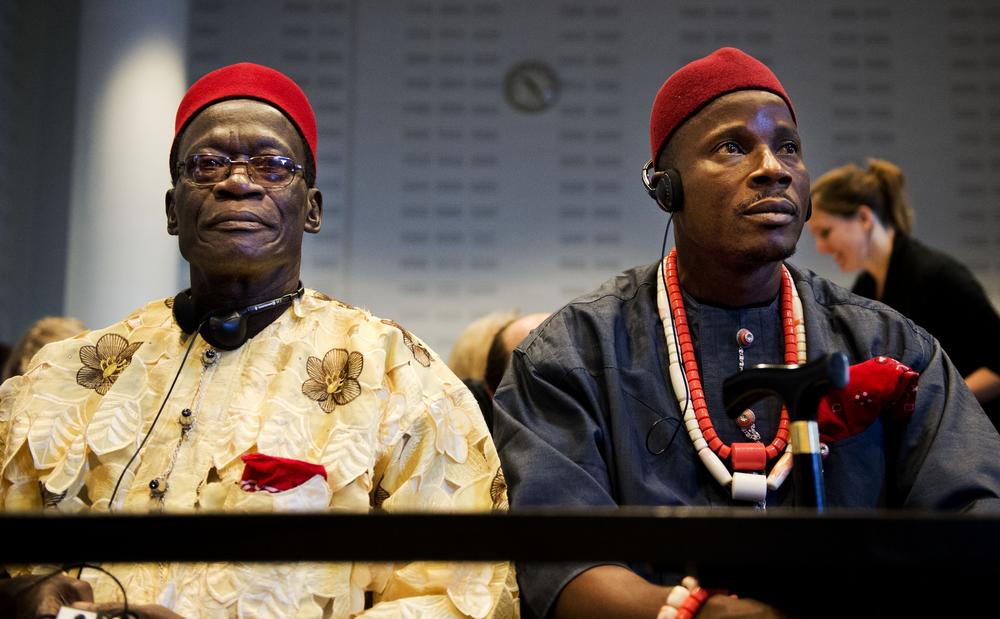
<point>610,591</point>
<point>28,597</point>
<point>725,607</point>
<point>615,591</point>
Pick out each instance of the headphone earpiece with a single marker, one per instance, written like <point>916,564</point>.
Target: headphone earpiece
<point>228,332</point>
<point>669,193</point>
<point>225,331</point>
<point>664,187</point>
<point>185,315</point>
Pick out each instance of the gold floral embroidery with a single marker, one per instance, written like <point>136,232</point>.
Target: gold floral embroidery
<point>420,352</point>
<point>498,491</point>
<point>169,302</point>
<point>334,379</point>
<point>103,363</point>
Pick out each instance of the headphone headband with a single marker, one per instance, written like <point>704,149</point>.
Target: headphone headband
<point>286,298</point>
<point>227,331</point>
<point>649,178</point>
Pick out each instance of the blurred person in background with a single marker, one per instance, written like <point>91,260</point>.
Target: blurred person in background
<point>41,332</point>
<point>503,345</point>
<point>863,219</point>
<point>5,351</point>
<point>482,352</point>
<point>468,354</point>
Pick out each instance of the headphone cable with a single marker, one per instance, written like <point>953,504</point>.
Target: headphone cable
<point>125,613</point>
<point>163,404</point>
<point>166,398</point>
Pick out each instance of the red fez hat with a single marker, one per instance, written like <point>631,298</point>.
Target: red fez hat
<point>250,81</point>
<point>700,82</point>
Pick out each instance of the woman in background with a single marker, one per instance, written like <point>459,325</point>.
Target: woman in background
<point>863,219</point>
<point>41,332</point>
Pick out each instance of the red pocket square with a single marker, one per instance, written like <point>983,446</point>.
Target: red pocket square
<point>877,386</point>
<point>273,474</point>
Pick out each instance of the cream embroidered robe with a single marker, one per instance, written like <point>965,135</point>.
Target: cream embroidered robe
<point>327,384</point>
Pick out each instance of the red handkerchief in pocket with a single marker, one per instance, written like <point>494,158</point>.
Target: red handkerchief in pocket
<point>877,386</point>
<point>273,474</point>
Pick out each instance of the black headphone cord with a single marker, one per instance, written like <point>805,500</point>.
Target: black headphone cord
<point>125,613</point>
<point>111,502</point>
<point>152,426</point>
<point>145,438</point>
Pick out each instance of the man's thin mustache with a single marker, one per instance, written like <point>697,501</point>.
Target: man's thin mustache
<point>744,205</point>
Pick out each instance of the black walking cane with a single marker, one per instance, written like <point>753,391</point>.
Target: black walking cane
<point>800,387</point>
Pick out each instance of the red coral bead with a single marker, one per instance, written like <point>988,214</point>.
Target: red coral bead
<point>748,456</point>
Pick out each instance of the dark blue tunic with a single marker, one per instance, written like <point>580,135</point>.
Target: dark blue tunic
<point>585,415</point>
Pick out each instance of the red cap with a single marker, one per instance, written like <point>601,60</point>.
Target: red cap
<point>247,80</point>
<point>700,82</point>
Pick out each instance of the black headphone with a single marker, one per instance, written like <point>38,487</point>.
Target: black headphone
<point>664,187</point>
<point>224,330</point>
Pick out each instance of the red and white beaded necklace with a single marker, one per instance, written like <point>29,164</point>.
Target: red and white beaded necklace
<point>747,459</point>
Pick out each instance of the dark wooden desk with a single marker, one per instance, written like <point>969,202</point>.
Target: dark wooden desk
<point>837,559</point>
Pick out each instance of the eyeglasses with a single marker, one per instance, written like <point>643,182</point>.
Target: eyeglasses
<point>269,171</point>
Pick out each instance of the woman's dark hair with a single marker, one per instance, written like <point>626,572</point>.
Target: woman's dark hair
<point>843,190</point>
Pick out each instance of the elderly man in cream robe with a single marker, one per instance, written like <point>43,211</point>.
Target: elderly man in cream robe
<point>248,392</point>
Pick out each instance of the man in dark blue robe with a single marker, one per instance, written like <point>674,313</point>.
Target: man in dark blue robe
<point>587,417</point>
